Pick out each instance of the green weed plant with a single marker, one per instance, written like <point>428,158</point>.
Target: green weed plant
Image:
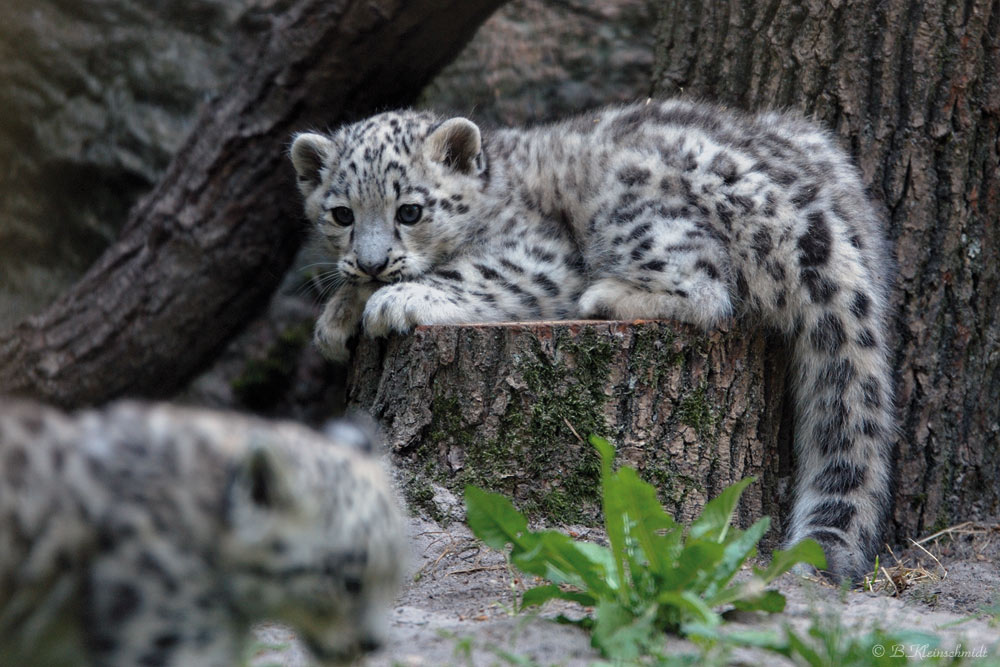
<point>655,576</point>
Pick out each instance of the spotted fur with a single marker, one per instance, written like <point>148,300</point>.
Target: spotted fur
<point>157,535</point>
<point>668,209</point>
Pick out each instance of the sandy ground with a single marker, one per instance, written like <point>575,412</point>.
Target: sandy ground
<point>456,608</point>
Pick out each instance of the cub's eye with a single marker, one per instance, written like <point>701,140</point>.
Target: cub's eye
<point>409,213</point>
<point>343,216</point>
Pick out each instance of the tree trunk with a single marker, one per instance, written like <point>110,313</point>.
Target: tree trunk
<point>202,253</point>
<point>913,89</point>
<point>508,406</point>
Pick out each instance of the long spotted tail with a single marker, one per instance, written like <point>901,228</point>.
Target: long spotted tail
<point>845,424</point>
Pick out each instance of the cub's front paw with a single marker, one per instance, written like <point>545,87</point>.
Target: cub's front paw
<point>399,308</point>
<point>332,341</point>
<point>339,321</point>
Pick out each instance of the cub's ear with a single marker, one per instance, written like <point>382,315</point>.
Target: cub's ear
<point>309,153</point>
<point>258,485</point>
<point>457,144</point>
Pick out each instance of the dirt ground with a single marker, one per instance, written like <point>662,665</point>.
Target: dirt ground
<point>456,608</point>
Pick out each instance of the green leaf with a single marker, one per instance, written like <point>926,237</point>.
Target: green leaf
<point>619,634</point>
<point>734,555</point>
<point>713,524</point>
<point>494,520</point>
<point>803,649</point>
<point>743,590</point>
<point>697,557</point>
<point>646,519</point>
<point>541,594</point>
<point>561,560</point>
<point>701,631</point>
<point>692,607</point>
<point>807,551</point>
<point>613,507</point>
<point>770,601</point>
<point>605,450</point>
<point>768,639</point>
<point>601,555</point>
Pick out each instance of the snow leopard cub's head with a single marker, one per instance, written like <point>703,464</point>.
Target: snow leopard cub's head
<point>391,195</point>
<point>313,537</point>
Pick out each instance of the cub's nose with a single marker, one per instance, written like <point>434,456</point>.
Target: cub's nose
<point>373,268</point>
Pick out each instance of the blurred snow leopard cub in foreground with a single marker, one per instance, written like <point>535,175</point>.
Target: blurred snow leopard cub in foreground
<point>664,210</point>
<point>154,535</point>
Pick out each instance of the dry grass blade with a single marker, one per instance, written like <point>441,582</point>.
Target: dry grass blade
<point>478,568</point>
<point>455,548</point>
<point>964,528</point>
<point>894,579</point>
<point>944,570</point>
<point>897,578</point>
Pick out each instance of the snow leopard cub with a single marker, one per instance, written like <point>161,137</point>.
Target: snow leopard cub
<point>155,535</point>
<point>667,209</point>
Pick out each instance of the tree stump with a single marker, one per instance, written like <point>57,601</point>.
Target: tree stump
<point>509,407</point>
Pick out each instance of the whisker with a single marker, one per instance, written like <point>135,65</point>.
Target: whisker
<point>314,264</point>
<point>329,283</point>
<point>320,283</point>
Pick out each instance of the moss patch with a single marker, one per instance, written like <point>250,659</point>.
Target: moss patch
<point>696,411</point>
<point>420,496</point>
<point>653,351</point>
<point>535,457</point>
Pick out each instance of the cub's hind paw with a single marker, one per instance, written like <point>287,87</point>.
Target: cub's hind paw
<point>704,304</point>
<point>601,300</point>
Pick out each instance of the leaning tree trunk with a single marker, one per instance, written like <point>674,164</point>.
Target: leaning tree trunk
<point>202,253</point>
<point>913,89</point>
<point>509,406</point>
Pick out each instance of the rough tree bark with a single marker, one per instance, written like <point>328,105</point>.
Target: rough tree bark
<point>913,89</point>
<point>201,254</point>
<point>508,407</point>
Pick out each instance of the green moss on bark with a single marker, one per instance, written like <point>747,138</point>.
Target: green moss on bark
<point>696,411</point>
<point>535,456</point>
